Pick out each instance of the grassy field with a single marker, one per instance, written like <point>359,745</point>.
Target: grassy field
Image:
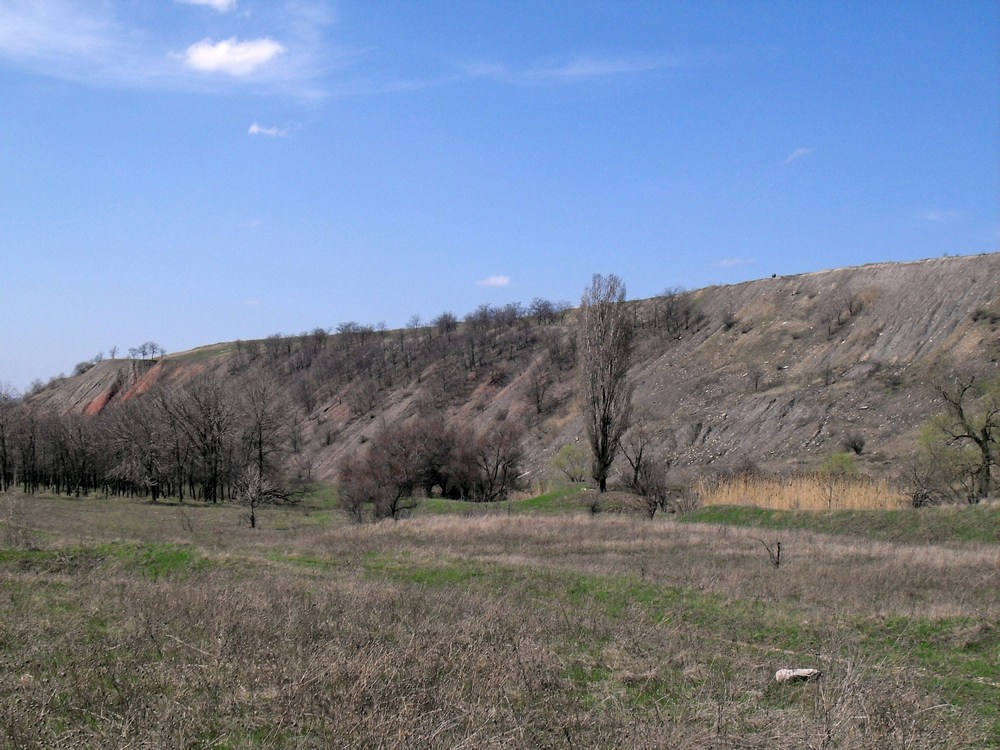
<point>539,624</point>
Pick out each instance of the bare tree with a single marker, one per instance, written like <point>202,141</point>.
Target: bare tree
<point>138,442</point>
<point>253,491</point>
<point>265,427</point>
<point>498,456</point>
<point>539,382</point>
<point>542,310</point>
<point>384,474</point>
<point>633,446</point>
<point>204,410</point>
<point>445,323</point>
<point>8,402</point>
<point>605,355</point>
<point>972,418</point>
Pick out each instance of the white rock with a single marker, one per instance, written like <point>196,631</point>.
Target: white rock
<point>797,675</point>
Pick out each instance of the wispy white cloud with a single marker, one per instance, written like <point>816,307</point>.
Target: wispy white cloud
<point>938,216</point>
<point>589,68</point>
<point>798,154</point>
<point>576,70</point>
<point>273,132</point>
<point>732,262</point>
<point>494,281</point>
<point>223,6</point>
<point>109,44</point>
<point>251,302</point>
<point>50,30</point>
<point>230,56</point>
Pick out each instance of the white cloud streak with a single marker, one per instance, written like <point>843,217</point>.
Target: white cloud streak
<point>589,68</point>
<point>230,56</point>
<point>578,70</point>
<point>798,154</point>
<point>223,6</point>
<point>494,281</point>
<point>732,262</point>
<point>272,132</point>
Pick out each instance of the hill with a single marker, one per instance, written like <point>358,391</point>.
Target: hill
<point>776,371</point>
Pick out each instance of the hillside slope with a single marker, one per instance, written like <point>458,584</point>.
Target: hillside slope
<point>775,371</point>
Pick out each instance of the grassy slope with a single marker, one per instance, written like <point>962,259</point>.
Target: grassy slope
<point>124,622</point>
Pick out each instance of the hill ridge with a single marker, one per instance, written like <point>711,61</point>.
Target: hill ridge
<point>774,370</point>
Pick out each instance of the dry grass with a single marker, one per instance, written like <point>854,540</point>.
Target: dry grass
<point>801,492</point>
<point>447,632</point>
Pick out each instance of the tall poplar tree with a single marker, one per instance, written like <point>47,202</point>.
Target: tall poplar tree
<point>605,356</point>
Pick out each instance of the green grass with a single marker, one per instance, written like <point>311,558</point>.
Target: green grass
<point>152,560</point>
<point>577,631</point>
<point>305,561</point>
<point>973,523</point>
<point>564,499</point>
<point>956,657</point>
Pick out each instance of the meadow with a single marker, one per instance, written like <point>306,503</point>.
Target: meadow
<point>536,623</point>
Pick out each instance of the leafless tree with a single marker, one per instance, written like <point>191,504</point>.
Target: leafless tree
<point>445,323</point>
<point>676,311</point>
<point>139,443</point>
<point>204,410</point>
<point>8,401</point>
<point>384,474</point>
<point>263,410</point>
<point>972,417</point>
<point>539,382</point>
<point>634,445</point>
<point>253,491</point>
<point>605,356</point>
<point>647,477</point>
<point>651,485</point>
<point>498,456</point>
<point>542,310</point>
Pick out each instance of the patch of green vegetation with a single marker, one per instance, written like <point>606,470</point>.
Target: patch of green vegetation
<point>556,501</point>
<point>440,506</point>
<point>319,496</point>
<point>657,690</point>
<point>404,570</point>
<point>955,657</point>
<point>153,560</point>
<point>970,523</point>
<point>306,561</point>
<point>587,674</point>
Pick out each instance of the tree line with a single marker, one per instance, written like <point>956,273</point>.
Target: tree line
<point>238,433</point>
<point>187,441</point>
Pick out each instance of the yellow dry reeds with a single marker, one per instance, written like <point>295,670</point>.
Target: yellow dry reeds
<point>801,492</point>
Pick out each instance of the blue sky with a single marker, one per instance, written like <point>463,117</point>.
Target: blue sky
<point>202,171</point>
